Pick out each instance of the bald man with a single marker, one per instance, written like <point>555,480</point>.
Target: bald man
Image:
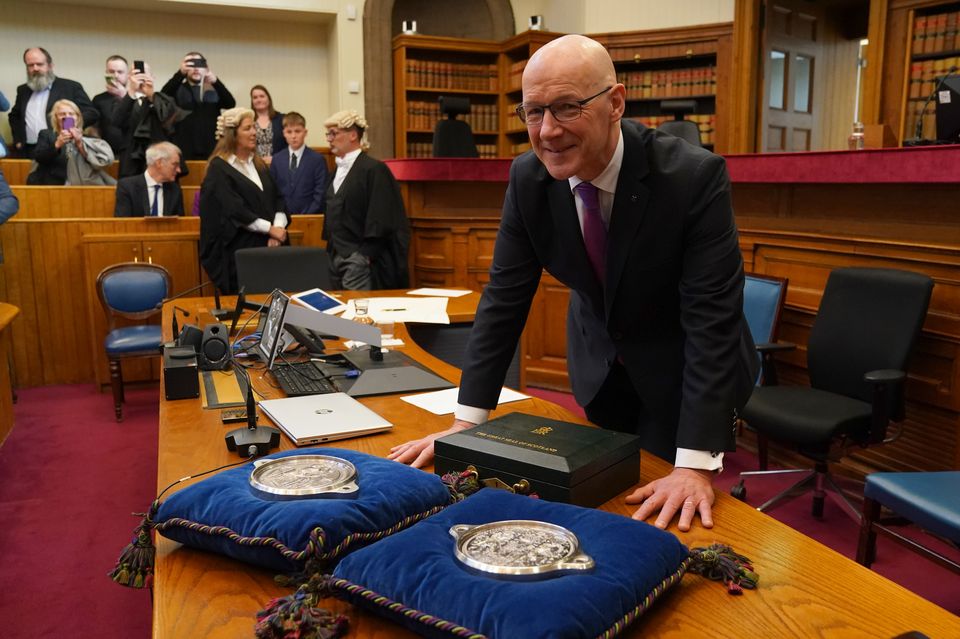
<point>656,340</point>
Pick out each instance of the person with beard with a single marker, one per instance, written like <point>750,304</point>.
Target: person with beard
<point>196,89</point>
<point>35,99</point>
<point>240,206</point>
<point>111,129</point>
<point>146,116</point>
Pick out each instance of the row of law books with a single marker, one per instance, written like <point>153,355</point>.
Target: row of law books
<point>425,150</point>
<point>706,123</point>
<point>936,33</point>
<point>425,115</point>
<point>515,74</point>
<point>449,75</point>
<point>673,83</point>
<point>925,75</point>
<point>912,116</point>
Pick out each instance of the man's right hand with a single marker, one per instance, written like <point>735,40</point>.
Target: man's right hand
<point>278,233</point>
<point>419,452</point>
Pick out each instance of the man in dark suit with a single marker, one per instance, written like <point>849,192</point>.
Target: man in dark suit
<point>639,225</point>
<point>116,73</point>
<point>155,192</point>
<point>197,90</point>
<point>35,98</point>
<point>365,224</point>
<point>299,172</point>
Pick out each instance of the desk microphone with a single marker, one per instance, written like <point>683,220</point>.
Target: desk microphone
<point>253,440</point>
<point>175,325</point>
<point>183,293</point>
<point>918,137</point>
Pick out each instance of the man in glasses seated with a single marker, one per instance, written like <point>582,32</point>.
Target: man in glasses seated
<point>639,225</point>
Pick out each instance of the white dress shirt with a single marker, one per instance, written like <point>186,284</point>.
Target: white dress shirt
<point>150,191</point>
<point>606,184</point>
<point>344,165</point>
<point>35,117</point>
<point>249,170</point>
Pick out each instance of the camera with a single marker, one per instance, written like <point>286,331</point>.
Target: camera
<point>197,63</point>
<point>139,66</point>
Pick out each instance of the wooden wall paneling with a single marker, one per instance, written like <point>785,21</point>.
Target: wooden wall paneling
<point>745,97</point>
<point>545,336</point>
<point>8,313</point>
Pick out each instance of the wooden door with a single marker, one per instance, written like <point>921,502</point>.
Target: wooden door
<point>792,45</point>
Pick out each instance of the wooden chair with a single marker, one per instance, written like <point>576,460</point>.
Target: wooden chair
<point>133,291</point>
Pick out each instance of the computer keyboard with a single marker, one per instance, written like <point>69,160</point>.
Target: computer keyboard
<point>302,378</point>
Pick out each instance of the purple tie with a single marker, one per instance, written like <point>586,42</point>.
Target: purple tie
<point>594,233</point>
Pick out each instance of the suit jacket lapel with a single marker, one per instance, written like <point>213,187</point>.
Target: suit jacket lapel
<point>144,193</point>
<point>629,206</point>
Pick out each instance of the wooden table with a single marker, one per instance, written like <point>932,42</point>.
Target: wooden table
<point>806,589</point>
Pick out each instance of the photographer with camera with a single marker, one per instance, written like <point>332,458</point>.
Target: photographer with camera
<point>196,89</point>
<point>147,117</point>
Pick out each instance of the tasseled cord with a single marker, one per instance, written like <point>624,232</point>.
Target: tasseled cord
<point>298,616</point>
<point>134,568</point>
<point>720,563</point>
<point>461,485</point>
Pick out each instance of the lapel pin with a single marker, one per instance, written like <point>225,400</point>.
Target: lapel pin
<point>634,198</point>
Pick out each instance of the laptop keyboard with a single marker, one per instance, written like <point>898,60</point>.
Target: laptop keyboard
<point>302,378</point>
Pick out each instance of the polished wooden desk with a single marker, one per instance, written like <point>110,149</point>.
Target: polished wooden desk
<point>7,314</point>
<point>806,589</point>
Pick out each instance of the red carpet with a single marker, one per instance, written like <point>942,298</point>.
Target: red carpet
<point>70,476</point>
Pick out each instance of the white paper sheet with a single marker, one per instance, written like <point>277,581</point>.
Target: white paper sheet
<point>444,402</point>
<point>439,292</point>
<point>424,310</point>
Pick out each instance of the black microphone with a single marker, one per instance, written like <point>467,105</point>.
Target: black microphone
<point>919,133</point>
<point>253,440</point>
<point>182,293</point>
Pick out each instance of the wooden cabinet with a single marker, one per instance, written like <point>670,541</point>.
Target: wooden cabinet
<point>689,63</point>
<point>177,252</point>
<point>516,51</point>
<point>934,49</point>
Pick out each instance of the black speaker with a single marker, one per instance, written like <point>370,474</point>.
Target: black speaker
<point>214,352</point>
<point>191,336</point>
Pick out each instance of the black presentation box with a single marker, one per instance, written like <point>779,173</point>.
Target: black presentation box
<point>563,462</point>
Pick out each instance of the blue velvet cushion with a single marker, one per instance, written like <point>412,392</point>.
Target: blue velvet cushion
<point>224,515</point>
<point>414,578</point>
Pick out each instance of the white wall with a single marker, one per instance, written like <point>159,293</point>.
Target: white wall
<point>603,16</point>
<point>295,60</point>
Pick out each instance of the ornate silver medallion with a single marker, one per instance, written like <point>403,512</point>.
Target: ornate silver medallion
<point>519,548</point>
<point>303,476</point>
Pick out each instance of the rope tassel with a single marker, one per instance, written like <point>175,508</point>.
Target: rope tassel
<point>134,568</point>
<point>720,563</point>
<point>298,616</point>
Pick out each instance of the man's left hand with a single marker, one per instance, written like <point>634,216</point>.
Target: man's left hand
<point>685,490</point>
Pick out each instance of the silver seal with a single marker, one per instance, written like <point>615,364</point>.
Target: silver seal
<point>519,548</point>
<point>303,476</point>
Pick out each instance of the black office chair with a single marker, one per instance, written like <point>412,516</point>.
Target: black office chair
<point>452,138</point>
<point>683,129</point>
<point>857,355</point>
<point>289,268</point>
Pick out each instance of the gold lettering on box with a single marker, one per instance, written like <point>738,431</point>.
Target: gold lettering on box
<point>543,430</point>
<point>515,442</point>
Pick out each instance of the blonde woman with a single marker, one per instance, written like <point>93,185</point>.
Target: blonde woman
<point>66,154</point>
<point>240,206</point>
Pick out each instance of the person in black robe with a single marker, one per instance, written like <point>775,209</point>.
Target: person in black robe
<point>365,225</point>
<point>240,206</point>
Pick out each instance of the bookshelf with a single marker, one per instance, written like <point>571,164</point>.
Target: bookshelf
<point>689,63</point>
<point>934,37</point>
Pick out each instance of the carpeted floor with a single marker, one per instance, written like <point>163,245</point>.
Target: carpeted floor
<point>70,476</point>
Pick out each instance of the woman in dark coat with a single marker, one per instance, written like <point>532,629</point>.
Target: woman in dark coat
<point>240,207</point>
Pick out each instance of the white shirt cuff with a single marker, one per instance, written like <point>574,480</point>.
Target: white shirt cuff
<point>259,225</point>
<point>280,219</point>
<point>699,459</point>
<point>471,414</point>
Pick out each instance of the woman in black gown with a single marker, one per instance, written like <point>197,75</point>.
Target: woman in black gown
<point>240,206</point>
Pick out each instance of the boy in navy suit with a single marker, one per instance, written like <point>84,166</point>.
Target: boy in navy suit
<point>299,172</point>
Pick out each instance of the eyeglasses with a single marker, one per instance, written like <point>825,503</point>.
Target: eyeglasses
<point>332,134</point>
<point>562,111</point>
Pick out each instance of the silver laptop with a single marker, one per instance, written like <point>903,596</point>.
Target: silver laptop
<point>314,419</point>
